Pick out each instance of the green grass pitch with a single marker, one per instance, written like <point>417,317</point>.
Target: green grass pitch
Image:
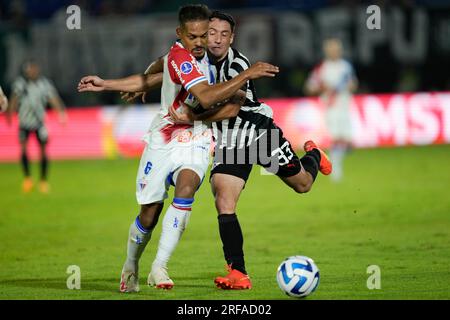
<point>392,210</point>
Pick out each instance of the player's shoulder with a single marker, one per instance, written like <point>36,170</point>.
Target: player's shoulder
<point>237,56</point>
<point>45,83</point>
<point>19,82</point>
<point>44,80</point>
<point>346,63</point>
<point>177,49</point>
<point>237,61</point>
<point>179,57</point>
<point>318,67</point>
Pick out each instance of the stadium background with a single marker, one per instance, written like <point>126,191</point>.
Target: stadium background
<point>403,101</point>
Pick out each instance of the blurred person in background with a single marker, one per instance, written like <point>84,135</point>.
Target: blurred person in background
<point>334,81</point>
<point>3,101</point>
<point>31,92</point>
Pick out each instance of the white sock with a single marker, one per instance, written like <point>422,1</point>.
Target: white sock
<point>175,221</point>
<point>137,241</point>
<point>337,159</point>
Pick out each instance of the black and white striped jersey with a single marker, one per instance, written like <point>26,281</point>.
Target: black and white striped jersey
<point>33,97</point>
<point>240,130</point>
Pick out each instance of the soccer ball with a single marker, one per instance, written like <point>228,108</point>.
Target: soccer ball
<point>298,276</point>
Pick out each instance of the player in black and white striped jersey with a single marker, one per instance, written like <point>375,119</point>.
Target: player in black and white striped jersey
<point>252,116</point>
<point>245,135</point>
<point>31,92</point>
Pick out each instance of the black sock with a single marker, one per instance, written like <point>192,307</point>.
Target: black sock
<point>311,162</point>
<point>232,240</point>
<point>25,164</point>
<point>44,168</point>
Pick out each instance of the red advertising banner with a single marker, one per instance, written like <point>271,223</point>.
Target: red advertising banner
<point>79,138</point>
<point>377,120</point>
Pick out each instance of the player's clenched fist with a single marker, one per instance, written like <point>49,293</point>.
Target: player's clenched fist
<point>262,69</point>
<point>91,83</point>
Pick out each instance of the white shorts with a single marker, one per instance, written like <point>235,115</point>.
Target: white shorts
<point>338,119</point>
<point>160,165</point>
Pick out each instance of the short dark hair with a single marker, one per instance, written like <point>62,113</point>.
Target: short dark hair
<point>223,16</point>
<point>193,12</point>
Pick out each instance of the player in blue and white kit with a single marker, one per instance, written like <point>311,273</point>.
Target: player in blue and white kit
<point>334,81</point>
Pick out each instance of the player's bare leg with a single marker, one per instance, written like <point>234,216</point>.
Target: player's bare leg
<point>174,223</point>
<point>227,189</point>
<point>149,214</point>
<point>139,235</point>
<point>315,160</point>
<point>301,182</point>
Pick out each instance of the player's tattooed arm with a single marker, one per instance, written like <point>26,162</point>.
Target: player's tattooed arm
<point>221,111</point>
<point>229,110</point>
<point>187,116</point>
<point>209,95</point>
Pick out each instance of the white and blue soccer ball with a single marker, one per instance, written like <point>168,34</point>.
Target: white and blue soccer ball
<point>298,276</point>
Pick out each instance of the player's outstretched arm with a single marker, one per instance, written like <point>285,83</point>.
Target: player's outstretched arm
<point>221,111</point>
<point>57,104</point>
<point>229,110</point>
<point>134,83</point>
<point>209,95</point>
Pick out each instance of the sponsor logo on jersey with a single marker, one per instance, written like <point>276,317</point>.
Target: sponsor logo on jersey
<point>175,67</point>
<point>186,67</point>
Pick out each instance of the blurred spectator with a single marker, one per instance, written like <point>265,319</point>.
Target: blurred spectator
<point>334,81</point>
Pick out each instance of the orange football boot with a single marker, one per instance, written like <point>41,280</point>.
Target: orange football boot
<point>234,280</point>
<point>325,165</point>
<point>27,185</point>
<point>44,187</point>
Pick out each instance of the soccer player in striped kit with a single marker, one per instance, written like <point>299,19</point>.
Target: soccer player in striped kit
<point>248,130</point>
<point>175,153</point>
<point>31,92</point>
